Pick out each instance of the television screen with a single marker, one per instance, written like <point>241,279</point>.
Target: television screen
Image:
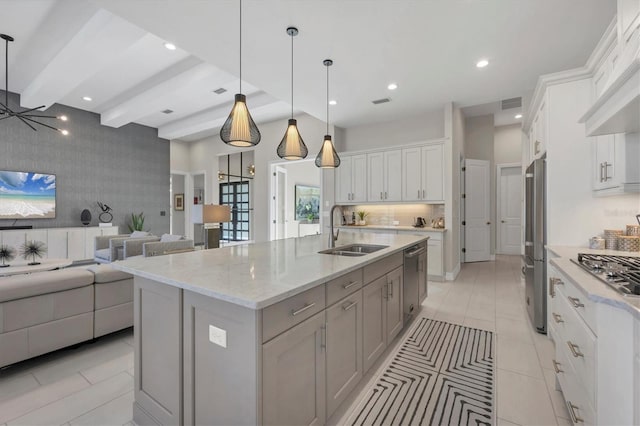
<point>25,195</point>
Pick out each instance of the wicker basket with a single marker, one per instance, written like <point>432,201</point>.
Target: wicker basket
<point>633,230</point>
<point>628,243</point>
<point>611,238</point>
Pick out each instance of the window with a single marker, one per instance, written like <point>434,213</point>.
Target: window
<point>236,196</point>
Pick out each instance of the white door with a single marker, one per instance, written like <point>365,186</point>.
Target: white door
<point>509,209</point>
<point>279,203</point>
<point>477,229</point>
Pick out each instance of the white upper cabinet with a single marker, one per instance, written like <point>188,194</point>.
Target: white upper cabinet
<point>384,177</point>
<point>351,179</point>
<point>423,173</point>
<point>615,164</point>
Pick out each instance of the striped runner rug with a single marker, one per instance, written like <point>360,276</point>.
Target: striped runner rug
<point>443,374</point>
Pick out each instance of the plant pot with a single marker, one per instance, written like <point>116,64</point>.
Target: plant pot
<point>362,222</point>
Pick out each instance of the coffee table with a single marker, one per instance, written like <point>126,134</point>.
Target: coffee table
<point>21,267</point>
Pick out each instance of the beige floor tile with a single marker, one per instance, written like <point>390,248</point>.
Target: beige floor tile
<point>14,385</point>
<point>557,399</point>
<point>480,324</point>
<point>115,412</point>
<point>523,400</point>
<point>503,422</point>
<point>85,357</point>
<point>513,310</point>
<point>450,318</point>
<point>40,397</point>
<point>514,329</point>
<point>79,403</point>
<point>518,357</point>
<point>545,348</point>
<point>563,422</point>
<point>109,368</point>
<point>481,311</point>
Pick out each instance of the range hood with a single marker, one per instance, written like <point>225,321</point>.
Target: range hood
<point>617,110</point>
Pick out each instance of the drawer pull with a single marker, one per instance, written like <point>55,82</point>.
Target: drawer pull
<point>556,366</point>
<point>323,337</point>
<point>575,350</point>
<point>351,284</point>
<point>553,282</point>
<point>572,412</point>
<point>349,306</point>
<point>557,317</point>
<point>575,302</point>
<point>304,308</point>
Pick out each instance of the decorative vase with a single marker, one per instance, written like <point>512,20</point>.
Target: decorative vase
<point>85,217</point>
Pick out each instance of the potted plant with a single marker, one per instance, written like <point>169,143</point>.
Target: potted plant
<point>362,214</point>
<point>310,217</point>
<point>6,254</point>
<point>137,222</point>
<point>33,249</point>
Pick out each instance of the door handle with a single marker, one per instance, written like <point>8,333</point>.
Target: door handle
<point>386,291</point>
<point>418,193</point>
<point>349,306</point>
<point>385,195</point>
<point>351,284</point>
<point>502,221</point>
<point>557,318</point>
<point>301,310</point>
<point>423,194</point>
<point>601,172</point>
<point>572,412</point>
<point>575,302</point>
<point>575,350</point>
<point>488,223</point>
<point>556,366</point>
<point>381,195</point>
<point>606,171</point>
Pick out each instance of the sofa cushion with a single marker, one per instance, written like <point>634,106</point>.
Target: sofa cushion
<point>139,234</point>
<point>103,254</point>
<point>26,285</point>
<point>106,274</point>
<point>167,238</point>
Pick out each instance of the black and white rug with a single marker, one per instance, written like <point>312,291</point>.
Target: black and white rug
<point>443,374</point>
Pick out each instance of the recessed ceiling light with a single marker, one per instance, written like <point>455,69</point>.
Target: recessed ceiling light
<point>518,116</point>
<point>63,118</point>
<point>392,86</point>
<point>64,132</point>
<point>170,46</point>
<point>87,98</point>
<point>482,63</point>
<point>333,102</point>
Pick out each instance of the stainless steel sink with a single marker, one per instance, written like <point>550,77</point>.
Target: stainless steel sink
<point>354,250</point>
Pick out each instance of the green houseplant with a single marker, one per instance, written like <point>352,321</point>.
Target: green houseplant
<point>33,249</point>
<point>6,254</point>
<point>137,222</point>
<point>362,215</point>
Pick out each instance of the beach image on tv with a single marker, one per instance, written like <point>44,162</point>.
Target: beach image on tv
<point>26,195</point>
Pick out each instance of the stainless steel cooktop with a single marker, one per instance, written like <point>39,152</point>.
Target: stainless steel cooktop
<point>620,272</point>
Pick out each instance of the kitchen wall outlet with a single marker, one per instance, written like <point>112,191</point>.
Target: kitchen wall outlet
<point>396,222</point>
<point>217,336</point>
<point>163,213</point>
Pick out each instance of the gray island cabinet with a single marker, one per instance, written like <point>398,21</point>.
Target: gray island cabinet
<point>271,333</point>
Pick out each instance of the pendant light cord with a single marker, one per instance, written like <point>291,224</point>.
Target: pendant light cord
<point>292,74</point>
<point>240,46</point>
<point>327,99</point>
<point>6,76</point>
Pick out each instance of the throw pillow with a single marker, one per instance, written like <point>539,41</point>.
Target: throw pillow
<point>139,234</point>
<point>167,238</point>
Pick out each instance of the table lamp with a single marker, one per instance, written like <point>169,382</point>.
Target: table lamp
<point>212,216</point>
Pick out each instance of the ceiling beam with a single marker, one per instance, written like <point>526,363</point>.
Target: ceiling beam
<point>93,47</point>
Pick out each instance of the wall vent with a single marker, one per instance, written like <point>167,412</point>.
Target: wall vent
<point>220,91</point>
<point>381,101</point>
<point>167,111</point>
<point>511,103</point>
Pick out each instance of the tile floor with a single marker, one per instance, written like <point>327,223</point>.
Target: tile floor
<point>92,384</point>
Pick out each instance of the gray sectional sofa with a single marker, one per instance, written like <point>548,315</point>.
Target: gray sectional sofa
<point>45,311</point>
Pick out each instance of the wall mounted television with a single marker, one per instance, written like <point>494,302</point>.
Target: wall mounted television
<point>27,195</point>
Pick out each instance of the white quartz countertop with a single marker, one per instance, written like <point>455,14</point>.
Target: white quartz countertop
<point>395,227</point>
<point>259,275</point>
<point>593,288</point>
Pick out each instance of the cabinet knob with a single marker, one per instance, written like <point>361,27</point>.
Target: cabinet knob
<point>502,221</point>
<point>488,223</point>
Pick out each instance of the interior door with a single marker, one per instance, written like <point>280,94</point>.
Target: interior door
<point>279,208</point>
<point>509,210</point>
<point>477,227</point>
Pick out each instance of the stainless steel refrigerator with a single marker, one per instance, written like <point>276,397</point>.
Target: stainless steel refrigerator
<point>535,258</point>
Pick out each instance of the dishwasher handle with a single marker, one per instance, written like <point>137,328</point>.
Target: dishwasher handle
<point>413,253</point>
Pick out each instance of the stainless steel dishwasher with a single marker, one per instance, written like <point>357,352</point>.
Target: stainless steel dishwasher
<point>415,279</point>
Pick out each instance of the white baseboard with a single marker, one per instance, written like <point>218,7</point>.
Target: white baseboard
<point>451,276</point>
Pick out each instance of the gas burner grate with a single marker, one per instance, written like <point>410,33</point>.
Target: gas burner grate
<point>620,272</point>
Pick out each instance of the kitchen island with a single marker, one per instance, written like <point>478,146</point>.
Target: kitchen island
<point>267,333</point>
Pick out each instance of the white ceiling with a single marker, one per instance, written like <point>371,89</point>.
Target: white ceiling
<point>112,50</point>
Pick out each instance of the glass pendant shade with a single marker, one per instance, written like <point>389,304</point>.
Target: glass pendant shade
<point>327,157</point>
<point>240,129</point>
<point>292,146</point>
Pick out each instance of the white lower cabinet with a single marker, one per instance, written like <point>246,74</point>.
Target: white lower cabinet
<point>594,355</point>
<point>293,375</point>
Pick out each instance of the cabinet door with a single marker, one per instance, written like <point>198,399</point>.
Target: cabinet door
<point>76,245</point>
<point>374,333</point>
<point>392,175</point>
<point>57,243</point>
<point>395,315</point>
<point>90,235</point>
<point>293,375</point>
<point>344,349</point>
<point>375,181</point>
<point>358,177</point>
<point>422,276</point>
<point>603,162</point>
<point>343,180</point>
<point>433,173</point>
<point>411,174</point>
<point>434,259</point>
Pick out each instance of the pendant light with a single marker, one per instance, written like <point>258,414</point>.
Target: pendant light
<point>31,116</point>
<point>240,129</point>
<point>327,157</point>
<point>292,146</point>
